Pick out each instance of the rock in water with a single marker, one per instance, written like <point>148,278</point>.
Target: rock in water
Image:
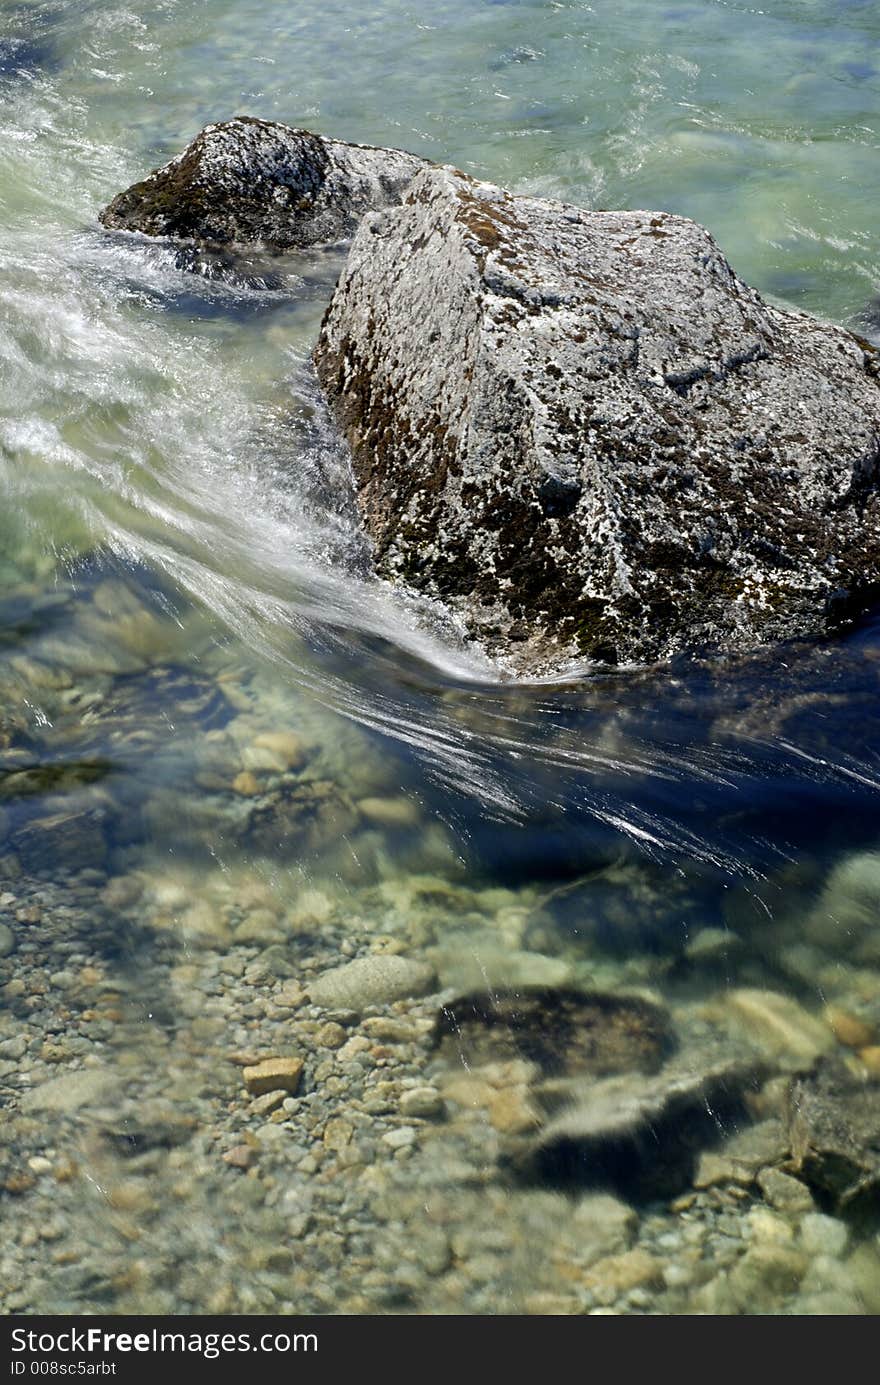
<point>562,1031</point>
<point>582,431</point>
<point>834,1129</point>
<point>641,1134</point>
<point>378,979</point>
<point>248,180</point>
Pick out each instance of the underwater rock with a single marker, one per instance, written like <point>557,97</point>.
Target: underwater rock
<point>377,979</point>
<point>273,1075</point>
<point>72,1091</point>
<point>766,1272</point>
<point>314,814</point>
<point>785,1193</point>
<point>248,180</point>
<point>780,1025</point>
<point>137,1128</point>
<point>834,1129</point>
<point>74,839</point>
<point>588,437</point>
<point>470,960</point>
<point>620,907</point>
<point>847,908</point>
<point>642,1135</point>
<point>565,1033</point>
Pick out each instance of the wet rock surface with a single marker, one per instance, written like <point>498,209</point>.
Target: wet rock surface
<point>248,180</point>
<point>589,437</point>
<point>562,1032</point>
<point>834,1128</point>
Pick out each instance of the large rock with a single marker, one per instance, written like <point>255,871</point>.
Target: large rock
<point>642,1135</point>
<point>563,1031</point>
<point>248,180</point>
<point>583,432</point>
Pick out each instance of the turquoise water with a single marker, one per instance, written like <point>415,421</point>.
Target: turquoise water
<point>182,572</point>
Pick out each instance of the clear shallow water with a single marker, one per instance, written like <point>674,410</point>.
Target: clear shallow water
<point>181,568</point>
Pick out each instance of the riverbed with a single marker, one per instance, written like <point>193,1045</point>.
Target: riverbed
<point>232,761</point>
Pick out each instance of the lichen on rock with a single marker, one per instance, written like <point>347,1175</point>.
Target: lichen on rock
<point>587,436</point>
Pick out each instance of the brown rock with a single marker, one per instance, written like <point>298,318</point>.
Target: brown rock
<point>390,812</point>
<point>785,1193</point>
<point>246,784</point>
<point>240,1156</point>
<point>18,1183</point>
<point>714,1170</point>
<point>565,1032</point>
<point>285,745</point>
<point>330,1035</point>
<point>848,1029</point>
<point>781,1025</point>
<point>273,1074</point>
<point>619,1274</point>
<point>512,1113</point>
<point>269,1102</point>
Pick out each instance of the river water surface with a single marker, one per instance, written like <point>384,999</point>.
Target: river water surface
<point>230,760</point>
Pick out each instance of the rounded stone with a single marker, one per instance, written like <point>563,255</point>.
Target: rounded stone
<point>822,1235</point>
<point>377,979</point>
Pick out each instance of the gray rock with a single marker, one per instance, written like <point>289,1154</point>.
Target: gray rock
<point>248,180</point>
<point>375,980</point>
<point>71,837</point>
<point>783,1192</point>
<point>755,1146</point>
<point>466,961</point>
<point>821,1235</point>
<point>640,1134</point>
<point>766,1272</point>
<point>713,945</point>
<point>70,1092</point>
<point>423,1102</point>
<point>834,1129</point>
<point>603,1225</point>
<point>584,433</point>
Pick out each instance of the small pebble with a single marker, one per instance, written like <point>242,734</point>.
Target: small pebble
<point>425,1102</point>
<point>401,1138</point>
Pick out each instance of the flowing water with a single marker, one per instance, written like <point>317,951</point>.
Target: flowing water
<point>229,758</point>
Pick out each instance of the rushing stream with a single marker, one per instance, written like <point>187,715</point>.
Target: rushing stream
<point>231,760</point>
